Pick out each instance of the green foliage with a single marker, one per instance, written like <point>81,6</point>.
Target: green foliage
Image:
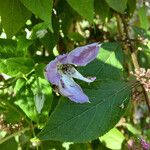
<point>33,115</point>
<point>113,139</point>
<point>118,5</point>
<point>14,15</point>
<point>41,8</point>
<point>16,66</point>
<point>84,7</point>
<point>80,123</point>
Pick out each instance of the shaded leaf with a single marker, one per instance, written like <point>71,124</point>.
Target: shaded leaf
<point>41,8</point>
<point>15,66</point>
<point>9,144</point>
<point>84,7</point>
<point>14,15</point>
<point>102,9</point>
<point>144,22</point>
<point>118,5</point>
<point>19,84</point>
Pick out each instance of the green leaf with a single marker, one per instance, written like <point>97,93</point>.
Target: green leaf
<point>102,9</point>
<point>144,58</point>
<point>43,88</point>
<point>113,139</point>
<point>131,5</point>
<point>118,5</point>
<point>52,145</point>
<point>141,32</point>
<point>15,66</point>
<point>14,15</point>
<point>41,8</point>
<point>75,36</point>
<point>9,144</point>
<point>83,122</point>
<point>26,102</point>
<point>109,63</point>
<point>84,7</point>
<point>144,22</point>
<point>78,146</point>
<point>132,129</point>
<point>12,116</point>
<point>8,48</point>
<point>23,45</point>
<point>19,84</point>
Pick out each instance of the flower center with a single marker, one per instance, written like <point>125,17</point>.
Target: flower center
<point>66,69</point>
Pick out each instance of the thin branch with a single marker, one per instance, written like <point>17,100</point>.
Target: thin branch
<point>130,48</point>
<point>14,134</point>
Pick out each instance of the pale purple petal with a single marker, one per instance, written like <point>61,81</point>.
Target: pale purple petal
<point>73,73</point>
<point>72,90</point>
<point>51,72</point>
<point>62,58</point>
<point>81,56</point>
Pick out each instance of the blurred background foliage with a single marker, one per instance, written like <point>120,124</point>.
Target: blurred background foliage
<point>32,33</point>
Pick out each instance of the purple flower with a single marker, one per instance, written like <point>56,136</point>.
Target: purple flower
<point>61,71</point>
<point>145,144</point>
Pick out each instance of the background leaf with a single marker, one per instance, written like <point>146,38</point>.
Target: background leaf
<point>113,139</point>
<point>15,66</point>
<point>118,5</point>
<point>41,8</point>
<point>84,7</point>
<point>14,15</point>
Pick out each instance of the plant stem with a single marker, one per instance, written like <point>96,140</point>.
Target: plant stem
<point>14,134</point>
<point>130,48</point>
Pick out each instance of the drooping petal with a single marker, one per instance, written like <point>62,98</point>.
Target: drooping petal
<point>72,90</point>
<point>52,73</point>
<point>62,59</point>
<point>81,56</point>
<point>73,73</point>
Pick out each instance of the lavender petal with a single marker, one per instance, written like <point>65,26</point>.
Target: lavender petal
<point>51,72</point>
<point>72,90</point>
<point>81,56</point>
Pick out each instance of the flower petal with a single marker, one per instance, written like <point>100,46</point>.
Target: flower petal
<point>81,56</point>
<point>73,73</point>
<point>72,90</point>
<point>62,58</point>
<point>51,72</point>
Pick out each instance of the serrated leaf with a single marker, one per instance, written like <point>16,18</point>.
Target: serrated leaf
<point>14,15</point>
<point>84,7</point>
<point>118,5</point>
<point>15,66</point>
<point>83,122</point>
<point>108,64</point>
<point>113,139</point>
<point>41,8</point>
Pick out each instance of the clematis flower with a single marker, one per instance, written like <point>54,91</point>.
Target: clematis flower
<point>61,71</point>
